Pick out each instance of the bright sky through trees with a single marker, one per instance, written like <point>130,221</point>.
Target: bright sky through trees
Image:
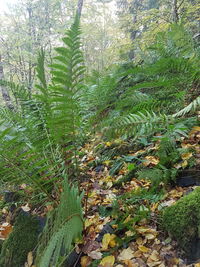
<point>4,5</point>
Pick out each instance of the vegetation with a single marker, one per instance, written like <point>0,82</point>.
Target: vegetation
<point>97,133</point>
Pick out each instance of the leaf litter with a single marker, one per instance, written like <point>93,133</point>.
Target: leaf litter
<point>134,239</point>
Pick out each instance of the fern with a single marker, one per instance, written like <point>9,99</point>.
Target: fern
<point>64,225</point>
<point>193,106</point>
<point>138,124</point>
<point>35,138</point>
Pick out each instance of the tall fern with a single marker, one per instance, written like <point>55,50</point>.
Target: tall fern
<point>39,143</point>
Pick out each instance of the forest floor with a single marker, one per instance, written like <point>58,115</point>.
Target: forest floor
<point>122,214</point>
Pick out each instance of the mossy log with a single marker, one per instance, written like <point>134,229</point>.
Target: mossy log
<point>182,220</point>
<point>22,240</point>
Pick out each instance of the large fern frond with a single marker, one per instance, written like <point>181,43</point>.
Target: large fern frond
<point>193,106</point>
<point>138,124</point>
<point>64,225</point>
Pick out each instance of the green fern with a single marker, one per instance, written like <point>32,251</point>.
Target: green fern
<point>192,107</point>
<point>138,124</point>
<point>64,225</point>
<point>35,138</point>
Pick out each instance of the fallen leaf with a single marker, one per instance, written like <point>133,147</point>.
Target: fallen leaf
<point>150,236</point>
<point>184,164</point>
<point>108,261</point>
<point>126,254</point>
<point>5,230</point>
<point>108,240</point>
<point>150,160</point>
<point>143,249</point>
<point>26,208</point>
<point>129,263</point>
<point>30,258</point>
<point>91,245</point>
<point>154,256</point>
<point>108,144</point>
<point>194,130</point>
<point>139,241</point>
<point>85,261</point>
<point>95,255</point>
<point>129,233</point>
<point>186,156</point>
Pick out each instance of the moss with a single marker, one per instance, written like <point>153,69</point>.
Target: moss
<point>22,240</point>
<point>182,220</point>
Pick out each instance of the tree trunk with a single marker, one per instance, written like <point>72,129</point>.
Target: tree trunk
<point>79,7</point>
<point>4,91</point>
<point>175,16</point>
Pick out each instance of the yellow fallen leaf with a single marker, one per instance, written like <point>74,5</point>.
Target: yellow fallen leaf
<point>186,156</point>
<point>126,254</point>
<point>108,240</point>
<point>85,261</point>
<point>142,230</point>
<point>30,258</point>
<point>184,164</point>
<point>109,260</point>
<point>88,222</point>
<point>143,249</point>
<point>127,219</point>
<point>150,160</point>
<point>107,162</point>
<point>108,144</point>
<point>197,265</point>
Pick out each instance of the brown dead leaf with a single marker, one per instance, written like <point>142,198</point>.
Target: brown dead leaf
<point>5,230</point>
<point>91,245</point>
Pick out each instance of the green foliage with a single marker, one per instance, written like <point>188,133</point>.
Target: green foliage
<point>151,95</point>
<point>158,175</point>
<point>64,225</point>
<point>40,139</point>
<point>20,242</point>
<point>181,220</point>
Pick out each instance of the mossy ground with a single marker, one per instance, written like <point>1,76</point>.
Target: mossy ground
<point>22,240</point>
<point>182,220</point>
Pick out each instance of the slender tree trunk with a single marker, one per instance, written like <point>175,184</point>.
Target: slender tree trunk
<point>79,7</point>
<point>4,91</point>
<point>175,15</point>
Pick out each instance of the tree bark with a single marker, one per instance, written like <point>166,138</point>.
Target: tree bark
<point>175,15</point>
<point>4,91</point>
<point>79,7</point>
